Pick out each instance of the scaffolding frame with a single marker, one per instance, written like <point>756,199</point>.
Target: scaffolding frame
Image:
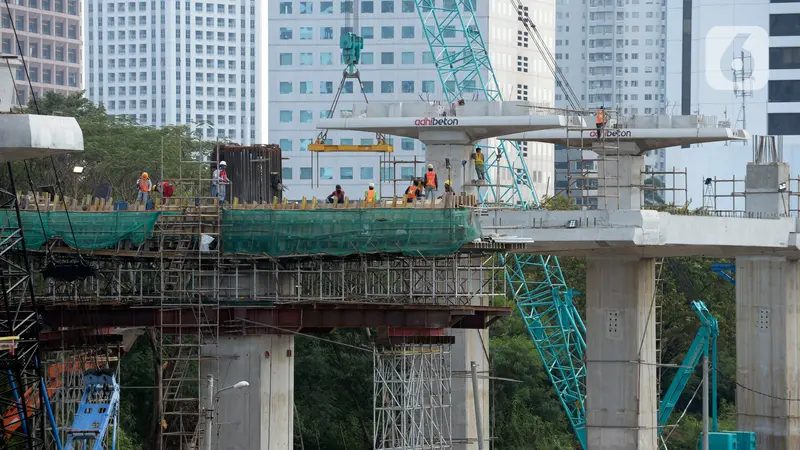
<point>412,397</point>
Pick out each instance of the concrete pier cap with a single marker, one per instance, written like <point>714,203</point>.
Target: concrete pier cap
<point>449,132</point>
<point>28,136</point>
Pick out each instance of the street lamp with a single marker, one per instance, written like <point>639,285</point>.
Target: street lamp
<point>212,400</point>
<point>77,170</point>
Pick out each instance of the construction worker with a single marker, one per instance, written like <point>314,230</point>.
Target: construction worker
<point>167,189</point>
<point>143,186</point>
<point>600,121</point>
<point>337,196</point>
<point>412,192</point>
<point>370,196</point>
<point>480,168</point>
<point>449,196</point>
<point>431,183</point>
<point>218,181</point>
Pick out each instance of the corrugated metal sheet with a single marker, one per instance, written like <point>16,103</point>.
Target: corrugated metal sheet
<point>254,171</point>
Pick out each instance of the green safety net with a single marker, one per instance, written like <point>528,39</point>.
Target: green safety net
<point>93,230</point>
<point>277,233</point>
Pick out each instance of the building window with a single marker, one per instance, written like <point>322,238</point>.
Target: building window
<point>306,7</point>
<point>286,145</point>
<point>347,6</point>
<point>367,7</point>
<point>325,173</point>
<point>784,25</point>
<point>407,173</point>
<point>428,87</point>
<point>387,58</point>
<point>286,33</point>
<point>305,173</point>
<point>286,7</point>
<point>782,91</point>
<point>306,116</point>
<point>407,57</point>
<point>366,173</point>
<point>286,116</point>
<point>407,6</point>
<point>784,58</point>
<point>387,87</point>
<point>407,144</point>
<point>286,173</point>
<point>783,124</point>
<point>427,58</point>
<point>326,87</point>
<point>367,87</point>
<point>326,7</point>
<point>325,33</point>
<point>306,87</point>
<point>285,58</point>
<point>345,173</point>
<point>367,58</point>
<point>286,87</point>
<point>407,87</point>
<point>306,33</point>
<point>326,59</point>
<point>387,32</point>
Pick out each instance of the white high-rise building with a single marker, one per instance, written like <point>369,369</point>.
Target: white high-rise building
<point>176,62</point>
<point>612,54</point>
<point>396,65</point>
<point>700,76</point>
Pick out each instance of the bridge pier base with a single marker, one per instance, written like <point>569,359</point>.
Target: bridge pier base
<point>260,416</point>
<point>621,405</point>
<point>767,360</point>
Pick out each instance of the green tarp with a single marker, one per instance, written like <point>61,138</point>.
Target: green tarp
<point>334,232</point>
<point>93,230</point>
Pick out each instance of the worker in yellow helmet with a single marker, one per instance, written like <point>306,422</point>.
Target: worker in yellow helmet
<point>143,187</point>
<point>449,196</point>
<point>370,195</point>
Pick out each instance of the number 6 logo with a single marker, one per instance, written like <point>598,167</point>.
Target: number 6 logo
<point>723,57</point>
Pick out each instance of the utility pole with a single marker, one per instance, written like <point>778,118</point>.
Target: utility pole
<point>705,403</point>
<point>478,421</point>
<point>209,413</point>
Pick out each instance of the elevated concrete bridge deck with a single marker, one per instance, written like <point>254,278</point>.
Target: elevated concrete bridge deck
<point>643,233</point>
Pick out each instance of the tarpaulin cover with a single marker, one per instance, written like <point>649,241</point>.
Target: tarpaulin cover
<point>426,232</point>
<point>93,230</point>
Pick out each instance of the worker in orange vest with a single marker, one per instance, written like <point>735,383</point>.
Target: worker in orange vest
<point>143,186</point>
<point>369,196</point>
<point>600,121</point>
<point>431,183</point>
<point>412,192</point>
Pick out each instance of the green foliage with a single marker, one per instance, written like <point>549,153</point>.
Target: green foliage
<point>116,150</point>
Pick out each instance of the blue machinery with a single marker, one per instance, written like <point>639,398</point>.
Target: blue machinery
<point>462,62</point>
<point>725,270</point>
<point>99,407</point>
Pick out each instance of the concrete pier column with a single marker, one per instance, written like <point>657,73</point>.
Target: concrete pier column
<point>262,415</point>
<point>620,177</point>
<point>767,360</point>
<point>763,193</point>
<point>469,346</point>
<point>621,405</point>
<point>437,153</point>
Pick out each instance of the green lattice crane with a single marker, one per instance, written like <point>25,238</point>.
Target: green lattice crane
<point>537,283</point>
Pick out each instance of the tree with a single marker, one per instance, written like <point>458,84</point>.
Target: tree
<point>116,150</point>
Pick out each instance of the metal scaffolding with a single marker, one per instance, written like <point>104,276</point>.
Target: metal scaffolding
<point>412,397</point>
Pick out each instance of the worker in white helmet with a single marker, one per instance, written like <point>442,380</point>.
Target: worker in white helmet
<point>431,183</point>
<point>218,181</point>
<point>370,197</point>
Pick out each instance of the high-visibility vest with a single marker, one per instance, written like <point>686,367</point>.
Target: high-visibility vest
<point>412,192</point>
<point>479,159</point>
<point>430,179</point>
<point>143,185</point>
<point>371,196</point>
<point>601,116</point>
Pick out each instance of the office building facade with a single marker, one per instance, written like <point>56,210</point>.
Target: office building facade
<point>305,70</point>
<point>50,39</point>
<point>169,62</point>
<point>612,55</point>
